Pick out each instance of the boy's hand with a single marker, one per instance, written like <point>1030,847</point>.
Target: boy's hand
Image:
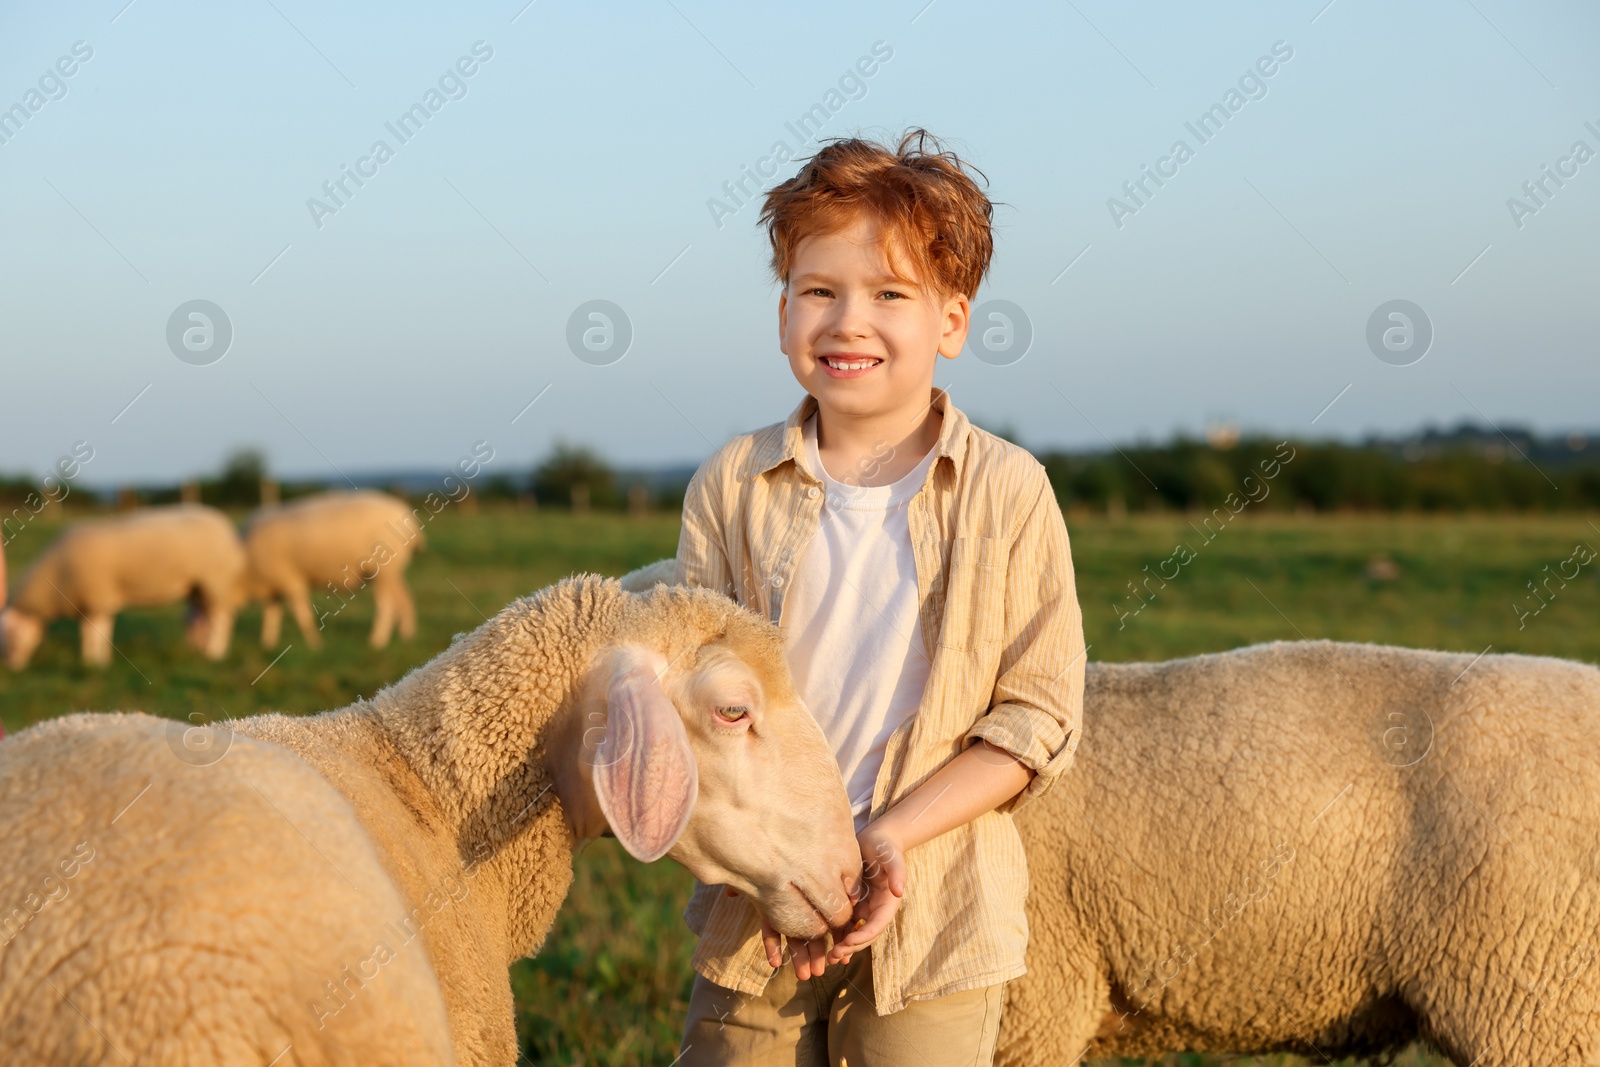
<point>883,866</point>
<point>884,870</point>
<point>810,955</point>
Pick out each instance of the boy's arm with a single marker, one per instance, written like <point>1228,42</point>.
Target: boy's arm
<point>977,780</point>
<point>1036,713</point>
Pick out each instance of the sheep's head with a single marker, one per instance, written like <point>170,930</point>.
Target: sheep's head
<point>710,757</point>
<point>249,585</point>
<point>20,634</point>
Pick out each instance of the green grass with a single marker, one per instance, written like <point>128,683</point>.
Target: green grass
<point>611,987</point>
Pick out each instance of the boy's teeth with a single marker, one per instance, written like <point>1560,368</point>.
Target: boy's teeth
<point>854,364</point>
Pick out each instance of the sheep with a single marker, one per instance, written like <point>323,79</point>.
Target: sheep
<point>353,885</point>
<point>1324,848</point>
<point>332,540</point>
<point>149,557</point>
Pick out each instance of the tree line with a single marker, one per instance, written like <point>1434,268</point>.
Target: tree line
<point>1465,469</point>
<point>1435,473</point>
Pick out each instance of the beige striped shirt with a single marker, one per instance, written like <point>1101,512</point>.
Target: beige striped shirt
<point>1000,612</point>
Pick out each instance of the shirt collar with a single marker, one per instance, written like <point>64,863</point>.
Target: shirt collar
<point>775,449</point>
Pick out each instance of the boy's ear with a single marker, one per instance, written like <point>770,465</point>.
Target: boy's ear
<point>783,318</point>
<point>957,321</point>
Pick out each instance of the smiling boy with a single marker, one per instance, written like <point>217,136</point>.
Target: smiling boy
<point>920,569</point>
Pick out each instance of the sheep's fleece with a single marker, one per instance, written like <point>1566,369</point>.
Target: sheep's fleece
<point>172,893</point>
<point>1324,848</point>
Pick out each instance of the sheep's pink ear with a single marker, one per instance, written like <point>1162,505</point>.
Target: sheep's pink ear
<point>645,775</point>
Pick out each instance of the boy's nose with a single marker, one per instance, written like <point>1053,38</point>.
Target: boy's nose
<point>849,319</point>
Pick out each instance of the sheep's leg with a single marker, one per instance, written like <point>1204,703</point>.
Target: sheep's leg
<point>211,612</point>
<point>94,632</point>
<point>300,606</point>
<point>1552,1018</point>
<point>221,633</point>
<point>271,623</point>
<point>196,625</point>
<point>382,614</point>
<point>1053,1012</point>
<point>407,608</point>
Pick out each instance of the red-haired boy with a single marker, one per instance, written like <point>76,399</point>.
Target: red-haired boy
<point>920,569</point>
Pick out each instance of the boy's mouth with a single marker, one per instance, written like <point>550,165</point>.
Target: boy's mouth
<point>848,365</point>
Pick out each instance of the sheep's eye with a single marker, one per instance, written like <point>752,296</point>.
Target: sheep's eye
<point>733,713</point>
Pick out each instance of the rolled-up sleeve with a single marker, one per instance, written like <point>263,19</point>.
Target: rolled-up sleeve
<point>1036,713</point>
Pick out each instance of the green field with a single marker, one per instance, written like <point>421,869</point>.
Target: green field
<point>612,985</point>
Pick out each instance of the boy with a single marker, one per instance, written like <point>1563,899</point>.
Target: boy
<point>921,571</point>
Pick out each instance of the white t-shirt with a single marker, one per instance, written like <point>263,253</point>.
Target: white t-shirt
<point>853,637</point>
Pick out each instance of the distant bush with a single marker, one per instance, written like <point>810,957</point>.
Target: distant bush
<point>572,465</point>
<point>239,484</point>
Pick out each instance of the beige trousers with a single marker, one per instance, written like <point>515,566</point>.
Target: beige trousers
<point>830,1021</point>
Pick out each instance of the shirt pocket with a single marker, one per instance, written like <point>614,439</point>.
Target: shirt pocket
<point>975,594</point>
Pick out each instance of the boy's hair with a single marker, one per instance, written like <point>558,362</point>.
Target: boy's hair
<point>920,194</point>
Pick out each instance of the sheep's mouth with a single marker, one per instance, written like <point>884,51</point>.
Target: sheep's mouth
<point>816,909</point>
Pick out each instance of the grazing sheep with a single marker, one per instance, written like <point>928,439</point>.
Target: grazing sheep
<point>342,541</point>
<point>1323,848</point>
<point>149,557</point>
<point>352,886</point>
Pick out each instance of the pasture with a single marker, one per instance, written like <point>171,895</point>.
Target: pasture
<point>611,985</point>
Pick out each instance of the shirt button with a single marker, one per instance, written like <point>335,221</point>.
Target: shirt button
<point>777,581</point>
<point>811,491</point>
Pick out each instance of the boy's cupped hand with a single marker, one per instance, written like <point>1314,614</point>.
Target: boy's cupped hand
<point>883,868</point>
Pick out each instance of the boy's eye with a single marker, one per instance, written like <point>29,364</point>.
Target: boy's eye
<point>891,292</point>
<point>733,713</point>
<point>818,291</point>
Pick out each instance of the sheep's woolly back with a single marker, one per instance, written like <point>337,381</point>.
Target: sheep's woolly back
<point>1319,846</point>
<point>148,557</point>
<point>155,906</point>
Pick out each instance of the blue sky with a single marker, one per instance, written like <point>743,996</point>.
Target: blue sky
<point>577,163</point>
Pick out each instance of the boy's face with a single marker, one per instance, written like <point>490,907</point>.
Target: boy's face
<point>860,338</point>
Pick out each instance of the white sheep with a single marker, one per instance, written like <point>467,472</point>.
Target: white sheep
<point>349,888</point>
<point>1323,848</point>
<point>335,542</point>
<point>150,557</point>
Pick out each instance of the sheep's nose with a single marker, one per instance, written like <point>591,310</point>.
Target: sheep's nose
<point>853,888</point>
